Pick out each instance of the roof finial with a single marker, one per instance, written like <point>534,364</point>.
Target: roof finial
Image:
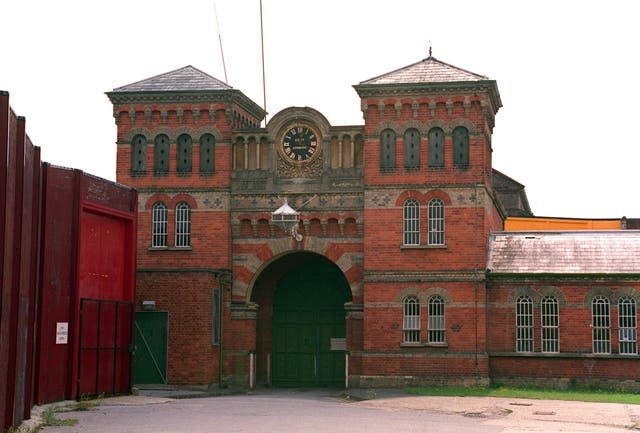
<point>430,49</point>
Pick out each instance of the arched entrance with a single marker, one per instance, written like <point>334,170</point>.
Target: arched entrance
<point>301,298</point>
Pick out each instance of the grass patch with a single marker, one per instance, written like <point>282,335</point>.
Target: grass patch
<point>598,396</point>
<point>49,419</point>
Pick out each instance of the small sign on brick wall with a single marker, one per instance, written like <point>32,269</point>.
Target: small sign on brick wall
<point>338,344</point>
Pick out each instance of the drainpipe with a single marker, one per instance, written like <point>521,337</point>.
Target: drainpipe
<point>224,278</point>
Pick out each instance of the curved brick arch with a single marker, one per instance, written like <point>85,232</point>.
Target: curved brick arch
<point>138,131</point>
<point>553,291</point>
<point>246,275</point>
<point>437,193</point>
<point>155,198</point>
<point>461,121</point>
<point>184,198</point>
<point>625,292</point>
<point>597,291</point>
<point>412,193</point>
<point>395,127</point>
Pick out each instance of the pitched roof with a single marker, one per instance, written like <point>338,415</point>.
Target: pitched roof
<point>186,78</point>
<point>579,252</point>
<point>429,70</point>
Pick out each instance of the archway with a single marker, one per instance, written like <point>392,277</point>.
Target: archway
<point>301,321</point>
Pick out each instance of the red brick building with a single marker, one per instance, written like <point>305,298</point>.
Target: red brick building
<point>385,280</point>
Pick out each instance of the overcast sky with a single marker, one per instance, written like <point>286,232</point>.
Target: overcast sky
<point>567,72</point>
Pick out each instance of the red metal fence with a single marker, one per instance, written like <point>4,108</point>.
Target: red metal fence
<point>64,236</point>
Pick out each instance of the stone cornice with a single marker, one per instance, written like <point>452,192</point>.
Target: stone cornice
<point>424,89</point>
<point>391,276</point>
<point>534,277</point>
<point>227,96</point>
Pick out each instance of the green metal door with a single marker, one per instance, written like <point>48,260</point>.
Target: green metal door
<point>150,358</point>
<point>308,313</point>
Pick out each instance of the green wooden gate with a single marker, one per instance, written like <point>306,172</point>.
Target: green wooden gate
<point>308,313</point>
<point>150,359</point>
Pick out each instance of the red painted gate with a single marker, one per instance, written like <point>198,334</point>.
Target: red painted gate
<point>104,352</point>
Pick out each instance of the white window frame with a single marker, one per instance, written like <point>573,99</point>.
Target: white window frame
<point>411,222</point>
<point>183,225</point>
<point>411,320</point>
<point>435,221</point>
<point>436,325</point>
<point>550,324</point>
<point>524,324</point>
<point>159,225</point>
<point>601,325</point>
<point>627,326</point>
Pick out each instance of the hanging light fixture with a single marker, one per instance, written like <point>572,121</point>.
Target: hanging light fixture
<point>287,218</point>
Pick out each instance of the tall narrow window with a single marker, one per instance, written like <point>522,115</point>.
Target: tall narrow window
<point>138,155</point>
<point>161,154</point>
<point>411,320</point>
<point>207,148</point>
<point>159,216</point>
<point>461,147</point>
<point>627,326</point>
<point>435,326</point>
<point>412,148</point>
<point>549,315</point>
<point>388,149</point>
<point>183,225</point>
<point>411,222</point>
<point>436,222</point>
<point>600,323</point>
<point>358,151</point>
<point>436,148</point>
<point>185,145</point>
<point>524,324</point>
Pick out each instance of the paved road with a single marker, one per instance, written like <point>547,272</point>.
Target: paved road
<point>283,411</point>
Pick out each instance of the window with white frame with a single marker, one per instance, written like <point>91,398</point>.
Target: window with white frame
<point>550,320</point>
<point>436,221</point>
<point>159,217</point>
<point>524,324</point>
<point>183,225</point>
<point>627,326</point>
<point>411,320</point>
<point>600,324</point>
<point>411,222</point>
<point>435,325</point>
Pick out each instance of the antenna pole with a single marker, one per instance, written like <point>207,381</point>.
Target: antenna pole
<point>264,85</point>
<point>224,66</point>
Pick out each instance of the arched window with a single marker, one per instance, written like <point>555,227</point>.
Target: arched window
<point>550,320</point>
<point>411,222</point>
<point>138,155</point>
<point>411,148</point>
<point>184,153</point>
<point>387,149</point>
<point>600,323</point>
<point>435,326</point>
<point>183,225</point>
<point>411,320</point>
<point>207,152</point>
<point>461,147</point>
<point>436,148</point>
<point>161,154</point>
<point>159,216</point>
<point>358,151</point>
<point>627,326</point>
<point>524,324</point>
<point>436,222</point>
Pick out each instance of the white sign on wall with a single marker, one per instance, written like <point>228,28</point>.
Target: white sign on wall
<point>62,332</point>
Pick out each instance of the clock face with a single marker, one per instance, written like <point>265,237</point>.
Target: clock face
<point>300,143</point>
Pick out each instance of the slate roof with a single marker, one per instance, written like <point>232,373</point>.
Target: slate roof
<point>429,70</point>
<point>186,78</point>
<point>580,252</point>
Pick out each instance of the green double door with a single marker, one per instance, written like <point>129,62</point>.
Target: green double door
<point>309,328</point>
